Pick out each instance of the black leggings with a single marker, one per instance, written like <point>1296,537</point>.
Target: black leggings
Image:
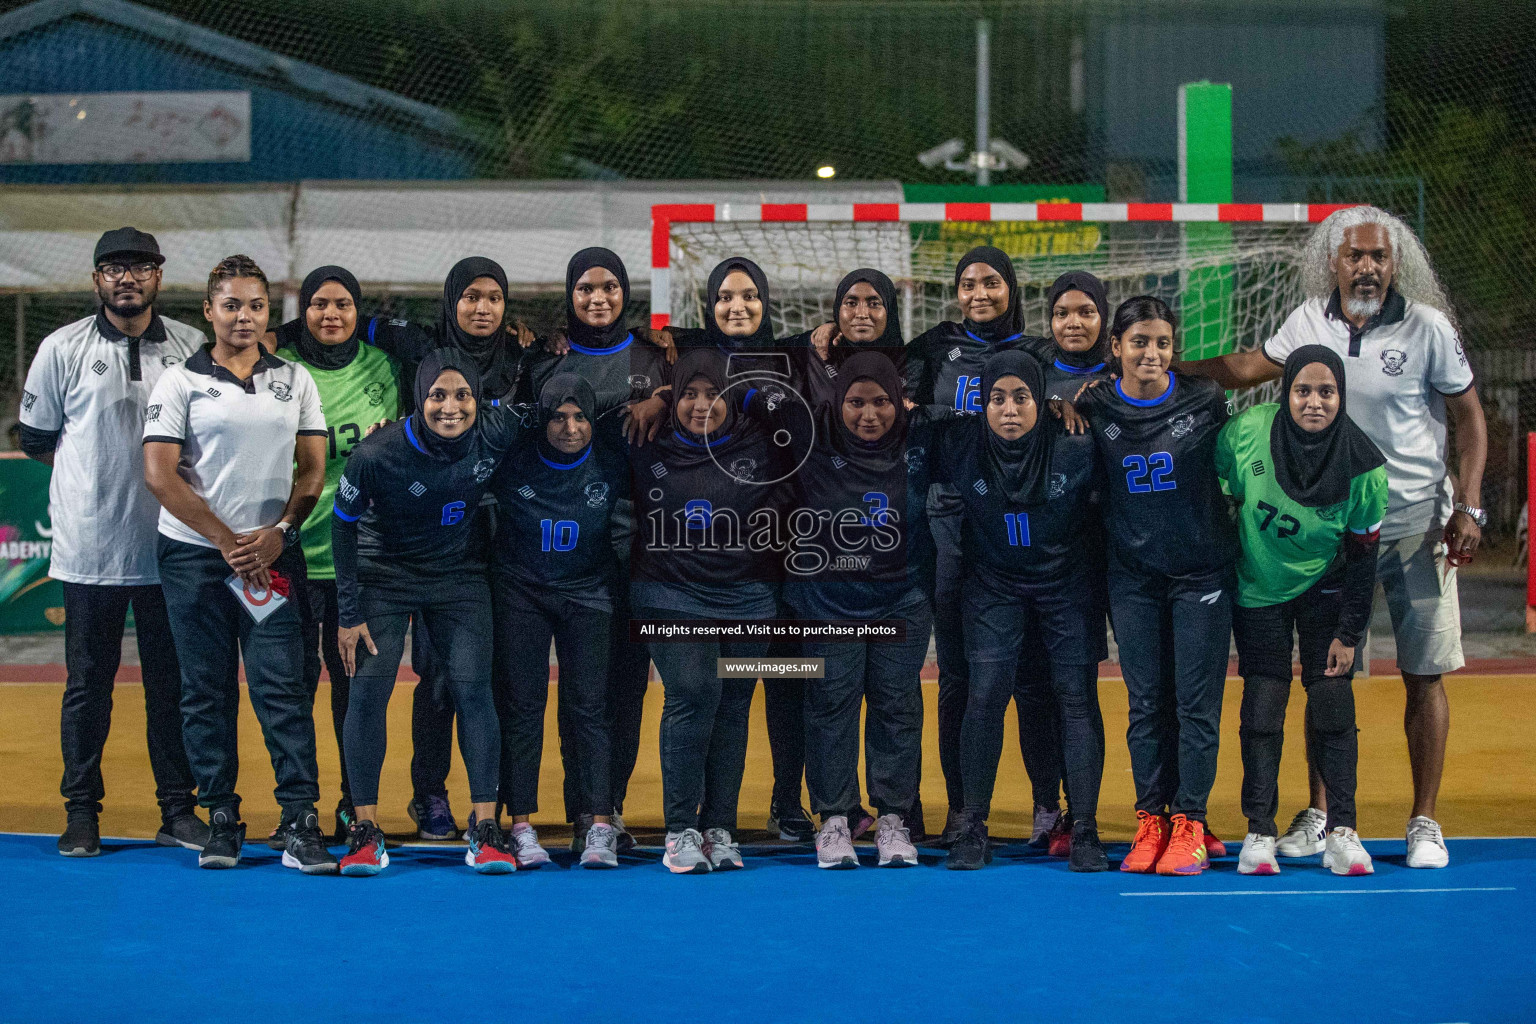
<point>526,620</point>
<point>1173,634</point>
<point>1264,661</point>
<point>704,724</point>
<point>319,619</point>
<point>1052,630</point>
<point>458,614</point>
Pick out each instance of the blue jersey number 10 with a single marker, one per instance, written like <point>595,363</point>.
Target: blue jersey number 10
<point>1148,473</point>
<point>559,535</point>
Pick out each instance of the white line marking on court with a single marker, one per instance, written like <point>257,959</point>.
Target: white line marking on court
<point>1322,892</point>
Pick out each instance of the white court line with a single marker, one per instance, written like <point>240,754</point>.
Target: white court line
<point>1321,892</point>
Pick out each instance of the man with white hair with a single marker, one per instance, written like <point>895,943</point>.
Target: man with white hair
<point>1374,299</point>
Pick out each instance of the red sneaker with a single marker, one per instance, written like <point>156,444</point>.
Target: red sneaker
<point>365,851</point>
<point>488,852</point>
<point>1214,847</point>
<point>1060,837</point>
<point>1186,849</point>
<point>1148,846</point>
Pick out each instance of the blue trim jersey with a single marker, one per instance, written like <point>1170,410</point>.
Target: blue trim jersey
<point>1164,509</point>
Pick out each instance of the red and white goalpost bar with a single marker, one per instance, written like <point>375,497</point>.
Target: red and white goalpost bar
<point>664,215</point>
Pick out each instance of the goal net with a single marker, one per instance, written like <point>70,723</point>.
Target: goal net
<point>1231,271</point>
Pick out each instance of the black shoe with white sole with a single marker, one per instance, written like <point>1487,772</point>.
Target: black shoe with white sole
<point>306,847</point>
<point>81,838</point>
<point>184,830</point>
<point>792,822</point>
<point>226,835</point>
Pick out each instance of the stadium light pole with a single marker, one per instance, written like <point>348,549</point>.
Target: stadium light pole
<point>990,154</point>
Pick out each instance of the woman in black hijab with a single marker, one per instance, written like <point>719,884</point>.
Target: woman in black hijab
<point>553,577</point>
<point>943,372</point>
<point>1079,315</point>
<point>1312,490</point>
<point>739,325</point>
<point>358,387</point>
<point>1025,493</point>
<point>867,317</point>
<point>402,540</point>
<point>696,490</point>
<point>854,556</point>
<point>622,365</point>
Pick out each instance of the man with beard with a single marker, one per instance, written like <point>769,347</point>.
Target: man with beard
<point>82,410</point>
<point>1375,300</point>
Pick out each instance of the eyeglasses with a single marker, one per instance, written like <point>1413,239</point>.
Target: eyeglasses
<point>114,271</point>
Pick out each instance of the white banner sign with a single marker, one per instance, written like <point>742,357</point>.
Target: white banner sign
<point>125,128</point>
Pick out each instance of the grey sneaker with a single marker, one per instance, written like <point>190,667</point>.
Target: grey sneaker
<point>579,832</point>
<point>1040,830</point>
<point>1304,837</point>
<point>525,847</point>
<point>894,842</point>
<point>834,844</point>
<point>685,853</point>
<point>723,853</point>
<point>599,852</point>
<point>626,842</point>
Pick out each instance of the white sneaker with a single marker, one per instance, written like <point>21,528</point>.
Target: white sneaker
<point>723,854</point>
<point>1305,836</point>
<point>525,847</point>
<point>834,844</point>
<point>1345,855</point>
<point>601,848</point>
<point>1426,846</point>
<point>1258,856</point>
<point>685,853</point>
<point>894,842</point>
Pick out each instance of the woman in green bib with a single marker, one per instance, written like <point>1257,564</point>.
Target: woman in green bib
<point>357,385</point>
<point>1311,491</point>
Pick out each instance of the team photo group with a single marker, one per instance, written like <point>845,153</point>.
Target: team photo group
<point>316,495</point>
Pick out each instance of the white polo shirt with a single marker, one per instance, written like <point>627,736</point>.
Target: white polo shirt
<point>1398,371</point>
<point>236,437</point>
<point>89,384</point>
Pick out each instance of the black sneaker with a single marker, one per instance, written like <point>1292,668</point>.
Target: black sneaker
<point>1087,851</point>
<point>306,847</point>
<point>81,838</point>
<point>579,829</point>
<point>346,817</point>
<point>970,850</point>
<point>954,824</point>
<point>278,840</point>
<point>226,835</point>
<point>625,842</point>
<point>792,823</point>
<point>184,830</point>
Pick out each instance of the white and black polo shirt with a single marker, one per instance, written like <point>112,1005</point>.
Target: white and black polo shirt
<point>1398,370</point>
<point>84,401</point>
<point>236,436</point>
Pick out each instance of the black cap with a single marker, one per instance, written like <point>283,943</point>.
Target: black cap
<point>128,242</point>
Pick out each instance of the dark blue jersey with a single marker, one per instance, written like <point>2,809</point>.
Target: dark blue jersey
<point>1011,544</point>
<point>403,516</point>
<point>1164,510</point>
<point>553,520</point>
<point>855,547</point>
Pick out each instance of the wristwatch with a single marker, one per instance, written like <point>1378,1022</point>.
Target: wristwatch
<point>290,534</point>
<point>1479,516</point>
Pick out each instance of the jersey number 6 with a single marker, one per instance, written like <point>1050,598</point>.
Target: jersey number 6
<point>1156,468</point>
